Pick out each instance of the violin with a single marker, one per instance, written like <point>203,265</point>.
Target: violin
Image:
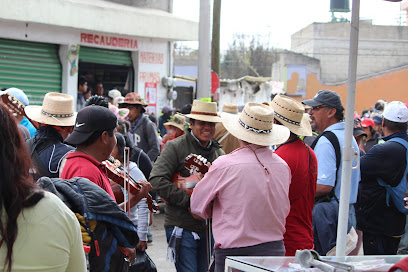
<point>118,175</point>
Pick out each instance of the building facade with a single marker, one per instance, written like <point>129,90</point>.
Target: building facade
<point>46,45</point>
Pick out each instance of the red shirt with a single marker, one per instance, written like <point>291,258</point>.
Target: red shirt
<point>82,165</point>
<point>302,190</point>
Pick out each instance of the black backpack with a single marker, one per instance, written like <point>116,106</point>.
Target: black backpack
<point>335,143</point>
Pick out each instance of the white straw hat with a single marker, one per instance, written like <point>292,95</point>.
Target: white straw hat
<point>255,125</point>
<point>204,111</point>
<point>177,120</point>
<point>291,114</point>
<point>56,110</point>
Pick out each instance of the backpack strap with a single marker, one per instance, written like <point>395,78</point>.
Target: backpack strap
<point>36,158</point>
<point>380,181</point>
<point>336,145</point>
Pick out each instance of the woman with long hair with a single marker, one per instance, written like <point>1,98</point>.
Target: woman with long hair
<point>37,231</point>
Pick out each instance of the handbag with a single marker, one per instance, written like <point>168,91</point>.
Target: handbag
<point>142,263</point>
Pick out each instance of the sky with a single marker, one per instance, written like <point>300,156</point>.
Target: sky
<point>274,21</point>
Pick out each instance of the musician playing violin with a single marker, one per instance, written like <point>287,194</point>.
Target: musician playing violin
<point>94,138</point>
<point>191,255</point>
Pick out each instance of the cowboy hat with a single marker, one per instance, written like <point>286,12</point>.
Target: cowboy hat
<point>255,125</point>
<point>177,121</point>
<point>57,110</point>
<point>230,108</point>
<point>291,114</point>
<point>133,99</point>
<point>204,111</point>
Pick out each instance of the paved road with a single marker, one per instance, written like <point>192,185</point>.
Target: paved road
<point>158,249</point>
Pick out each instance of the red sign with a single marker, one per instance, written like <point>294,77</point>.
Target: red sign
<point>108,41</point>
<point>215,82</point>
<point>151,96</point>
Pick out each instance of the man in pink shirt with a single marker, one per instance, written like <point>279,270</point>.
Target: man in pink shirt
<point>246,191</point>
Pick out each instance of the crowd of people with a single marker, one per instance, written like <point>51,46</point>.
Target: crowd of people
<point>265,181</point>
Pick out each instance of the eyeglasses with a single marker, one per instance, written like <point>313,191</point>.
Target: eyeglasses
<point>317,107</point>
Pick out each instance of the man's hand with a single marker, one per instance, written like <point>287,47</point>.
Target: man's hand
<point>131,253</point>
<point>146,187</point>
<point>142,245</point>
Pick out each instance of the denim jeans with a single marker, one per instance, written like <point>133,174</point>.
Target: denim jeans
<point>192,256</point>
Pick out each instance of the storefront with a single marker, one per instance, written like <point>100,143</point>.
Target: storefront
<point>40,52</point>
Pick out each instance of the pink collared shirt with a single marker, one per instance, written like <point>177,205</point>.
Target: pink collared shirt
<point>248,204</point>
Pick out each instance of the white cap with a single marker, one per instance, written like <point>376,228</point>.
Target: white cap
<point>396,111</point>
<point>114,93</point>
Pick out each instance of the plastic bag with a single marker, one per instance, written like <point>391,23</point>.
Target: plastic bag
<point>142,263</point>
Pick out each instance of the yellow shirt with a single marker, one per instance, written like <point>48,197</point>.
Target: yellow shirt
<point>48,239</point>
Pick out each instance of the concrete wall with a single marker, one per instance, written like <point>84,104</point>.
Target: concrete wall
<point>389,86</point>
<point>380,48</point>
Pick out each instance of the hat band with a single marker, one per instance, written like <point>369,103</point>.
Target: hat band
<point>287,120</point>
<point>203,113</point>
<point>57,115</point>
<point>254,129</point>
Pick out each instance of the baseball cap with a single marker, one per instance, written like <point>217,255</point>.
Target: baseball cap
<point>18,94</point>
<point>358,132</point>
<point>367,122</point>
<point>377,119</point>
<point>325,97</point>
<point>114,93</point>
<point>90,119</point>
<point>396,111</point>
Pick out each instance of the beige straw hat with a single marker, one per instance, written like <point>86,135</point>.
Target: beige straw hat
<point>291,114</point>
<point>230,108</point>
<point>56,110</point>
<point>204,111</point>
<point>177,120</point>
<point>255,125</point>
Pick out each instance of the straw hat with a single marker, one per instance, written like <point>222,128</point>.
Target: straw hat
<point>56,110</point>
<point>204,111</point>
<point>177,120</point>
<point>255,125</point>
<point>230,108</point>
<point>133,99</point>
<point>291,114</point>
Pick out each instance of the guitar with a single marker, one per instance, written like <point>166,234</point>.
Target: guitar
<point>195,164</point>
<point>15,107</point>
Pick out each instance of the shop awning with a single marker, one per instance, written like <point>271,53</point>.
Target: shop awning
<point>101,16</point>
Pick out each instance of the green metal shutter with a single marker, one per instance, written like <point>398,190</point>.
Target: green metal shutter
<point>32,67</point>
<point>105,56</point>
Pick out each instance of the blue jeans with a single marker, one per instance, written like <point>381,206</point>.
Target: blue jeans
<point>192,256</point>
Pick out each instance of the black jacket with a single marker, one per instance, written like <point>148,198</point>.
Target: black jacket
<point>387,161</point>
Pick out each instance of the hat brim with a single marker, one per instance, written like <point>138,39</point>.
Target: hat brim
<point>168,124</point>
<point>312,103</point>
<point>34,113</point>
<point>205,118</point>
<point>278,135</point>
<point>304,129</point>
<point>76,137</point>
<point>125,104</point>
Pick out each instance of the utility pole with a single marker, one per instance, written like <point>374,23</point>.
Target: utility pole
<point>215,45</point>
<point>204,58</point>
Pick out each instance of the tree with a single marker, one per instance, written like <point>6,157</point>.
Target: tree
<point>242,59</point>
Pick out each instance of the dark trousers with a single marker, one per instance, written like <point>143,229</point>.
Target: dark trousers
<point>275,248</point>
<point>377,244</point>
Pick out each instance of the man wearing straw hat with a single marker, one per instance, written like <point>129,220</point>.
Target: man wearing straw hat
<point>186,235</point>
<point>56,117</point>
<point>175,128</point>
<point>246,191</point>
<point>228,141</point>
<point>302,162</point>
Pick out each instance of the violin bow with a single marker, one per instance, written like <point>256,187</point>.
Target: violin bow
<point>126,166</point>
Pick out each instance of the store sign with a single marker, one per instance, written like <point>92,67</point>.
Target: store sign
<point>105,40</point>
<point>151,57</point>
<point>151,97</point>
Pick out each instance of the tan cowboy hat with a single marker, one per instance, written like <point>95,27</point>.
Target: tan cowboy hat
<point>255,125</point>
<point>291,114</point>
<point>56,110</point>
<point>204,111</point>
<point>177,120</point>
<point>230,108</point>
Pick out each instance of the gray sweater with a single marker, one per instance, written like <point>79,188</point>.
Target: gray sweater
<point>144,136</point>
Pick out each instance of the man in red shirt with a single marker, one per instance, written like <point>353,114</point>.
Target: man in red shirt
<point>94,138</point>
<point>302,162</point>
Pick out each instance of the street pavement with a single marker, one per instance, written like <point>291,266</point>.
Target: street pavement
<point>158,249</point>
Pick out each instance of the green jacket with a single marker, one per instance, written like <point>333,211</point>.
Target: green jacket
<point>169,162</point>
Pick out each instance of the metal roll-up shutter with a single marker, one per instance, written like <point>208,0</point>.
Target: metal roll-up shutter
<point>105,56</point>
<point>32,67</point>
